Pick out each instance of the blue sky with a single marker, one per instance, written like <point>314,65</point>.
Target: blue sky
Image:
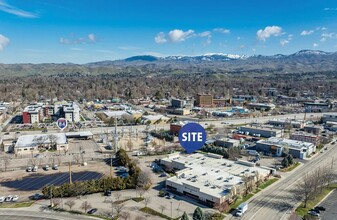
<point>81,31</point>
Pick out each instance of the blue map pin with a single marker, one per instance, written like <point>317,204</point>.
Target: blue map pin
<point>192,137</point>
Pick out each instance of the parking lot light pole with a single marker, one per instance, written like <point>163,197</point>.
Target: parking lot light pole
<point>171,209</point>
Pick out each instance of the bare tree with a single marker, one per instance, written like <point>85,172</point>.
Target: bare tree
<point>33,162</point>
<point>129,145</point>
<point>6,160</point>
<point>41,161</point>
<point>140,217</point>
<point>59,161</point>
<point>39,141</point>
<point>52,160</point>
<point>147,200</point>
<point>117,195</point>
<point>77,158</point>
<point>144,180</point>
<point>85,206</point>
<point>70,203</point>
<point>52,141</point>
<point>119,208</point>
<point>56,202</point>
<point>222,207</point>
<point>306,189</point>
<point>125,215</point>
<point>162,208</point>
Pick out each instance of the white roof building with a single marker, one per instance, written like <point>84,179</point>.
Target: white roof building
<point>209,178</point>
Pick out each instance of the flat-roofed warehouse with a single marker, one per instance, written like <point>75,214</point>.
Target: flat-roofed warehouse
<point>209,177</point>
<point>31,143</point>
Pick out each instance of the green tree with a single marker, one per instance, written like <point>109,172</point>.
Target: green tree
<point>290,159</point>
<point>198,214</point>
<point>184,217</point>
<point>285,162</point>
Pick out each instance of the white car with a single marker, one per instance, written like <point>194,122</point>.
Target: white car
<point>15,198</point>
<point>2,199</point>
<point>9,198</point>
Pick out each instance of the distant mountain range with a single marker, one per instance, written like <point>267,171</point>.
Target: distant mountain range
<point>299,62</point>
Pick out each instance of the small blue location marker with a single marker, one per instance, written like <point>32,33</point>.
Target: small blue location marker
<point>192,137</point>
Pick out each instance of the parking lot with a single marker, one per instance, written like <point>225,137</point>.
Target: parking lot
<point>38,181</point>
<point>330,203</point>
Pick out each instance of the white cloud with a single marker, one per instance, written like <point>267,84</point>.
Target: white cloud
<point>327,36</point>
<point>76,49</point>
<point>239,38</point>
<point>222,30</point>
<point>128,48</point>
<point>268,32</point>
<point>205,34</point>
<point>4,41</point>
<point>208,41</point>
<point>305,32</point>
<point>284,42</point>
<point>92,37</point>
<point>160,38</point>
<point>315,45</point>
<point>330,9</point>
<point>180,35</point>
<point>15,11</point>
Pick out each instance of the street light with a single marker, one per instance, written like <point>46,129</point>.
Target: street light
<point>171,209</point>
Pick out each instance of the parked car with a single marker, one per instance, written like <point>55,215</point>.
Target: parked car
<point>15,198</point>
<point>9,198</point>
<point>35,169</point>
<point>2,199</point>
<point>321,208</point>
<point>46,167</point>
<point>314,213</point>
<point>36,197</point>
<point>92,211</point>
<point>55,167</point>
<point>29,169</point>
<point>315,210</point>
<point>107,193</point>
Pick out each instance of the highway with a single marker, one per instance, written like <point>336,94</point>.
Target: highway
<point>277,201</point>
<point>218,123</point>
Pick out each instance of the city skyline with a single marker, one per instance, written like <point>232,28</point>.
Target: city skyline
<point>82,32</point>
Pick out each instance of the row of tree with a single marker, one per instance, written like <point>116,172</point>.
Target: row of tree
<point>136,179</point>
<point>232,152</point>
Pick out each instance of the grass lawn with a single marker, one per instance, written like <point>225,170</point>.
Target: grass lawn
<point>217,216</point>
<point>16,205</point>
<point>268,183</point>
<point>290,168</point>
<point>239,201</point>
<point>154,212</point>
<point>301,211</point>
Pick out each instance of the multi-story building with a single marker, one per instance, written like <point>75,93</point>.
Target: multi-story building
<point>33,114</point>
<point>285,123</point>
<point>178,103</point>
<point>37,113</point>
<point>306,137</point>
<point>204,100</point>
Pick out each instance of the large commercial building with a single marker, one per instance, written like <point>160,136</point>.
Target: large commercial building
<point>210,178</point>
<point>330,117</point>
<point>285,123</point>
<point>261,131</point>
<point>178,103</point>
<point>260,106</point>
<point>227,143</point>
<point>275,146</point>
<point>306,137</point>
<point>31,143</point>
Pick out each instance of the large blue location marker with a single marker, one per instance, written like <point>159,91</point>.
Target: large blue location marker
<point>192,137</point>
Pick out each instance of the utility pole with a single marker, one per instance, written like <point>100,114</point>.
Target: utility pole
<point>70,178</point>
<point>51,197</point>
<point>111,166</point>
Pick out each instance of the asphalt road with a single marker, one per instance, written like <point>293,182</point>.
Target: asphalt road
<point>36,182</point>
<point>276,202</point>
<point>13,214</point>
